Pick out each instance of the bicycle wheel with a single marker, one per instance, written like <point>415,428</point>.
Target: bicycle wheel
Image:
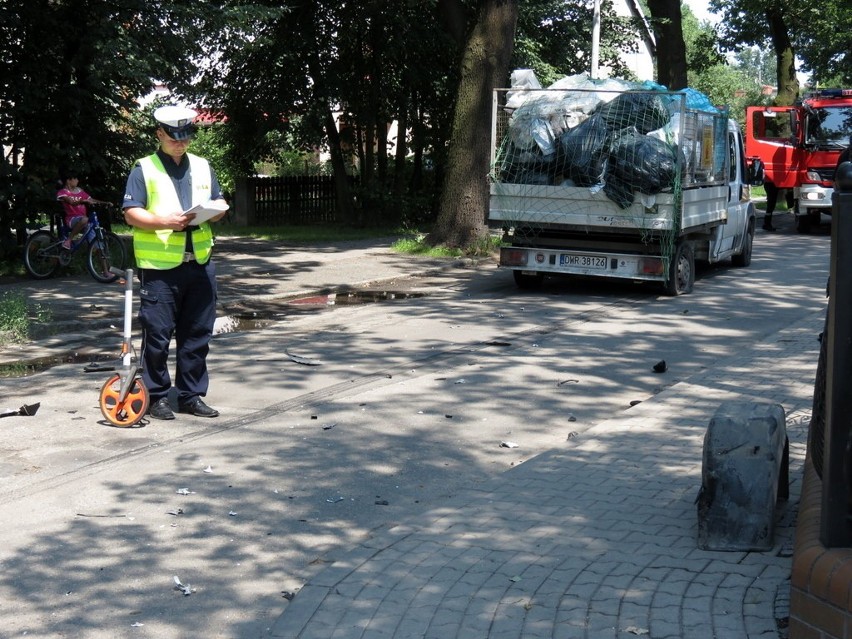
<point>41,254</point>
<point>104,253</point>
<point>128,412</point>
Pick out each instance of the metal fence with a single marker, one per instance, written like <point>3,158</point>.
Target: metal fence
<point>282,201</point>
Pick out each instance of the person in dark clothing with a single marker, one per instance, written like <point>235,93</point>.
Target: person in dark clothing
<point>772,193</point>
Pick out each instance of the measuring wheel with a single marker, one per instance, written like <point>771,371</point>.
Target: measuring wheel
<point>128,412</point>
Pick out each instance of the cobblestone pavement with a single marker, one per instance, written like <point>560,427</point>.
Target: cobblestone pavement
<point>594,540</point>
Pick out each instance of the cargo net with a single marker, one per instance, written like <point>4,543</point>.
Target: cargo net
<point>610,150</point>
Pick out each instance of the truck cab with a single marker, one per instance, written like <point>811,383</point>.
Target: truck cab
<point>799,146</point>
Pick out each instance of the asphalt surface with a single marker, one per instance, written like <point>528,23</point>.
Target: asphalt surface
<point>596,537</point>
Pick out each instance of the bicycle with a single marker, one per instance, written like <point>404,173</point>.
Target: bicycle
<point>44,252</point>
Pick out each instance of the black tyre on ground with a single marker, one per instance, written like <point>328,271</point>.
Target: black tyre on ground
<point>104,254</point>
<point>681,275</point>
<point>42,254</point>
<point>528,281</point>
<point>744,258</point>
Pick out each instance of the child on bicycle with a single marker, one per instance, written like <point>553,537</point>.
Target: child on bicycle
<point>74,201</point>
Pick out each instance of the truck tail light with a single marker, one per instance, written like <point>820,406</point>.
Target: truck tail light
<point>513,257</point>
<point>651,266</point>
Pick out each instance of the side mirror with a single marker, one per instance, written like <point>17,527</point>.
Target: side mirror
<point>756,172</point>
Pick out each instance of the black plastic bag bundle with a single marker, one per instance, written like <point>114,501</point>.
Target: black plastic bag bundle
<point>582,152</point>
<point>520,166</point>
<point>645,163</point>
<point>645,111</point>
<point>618,190</point>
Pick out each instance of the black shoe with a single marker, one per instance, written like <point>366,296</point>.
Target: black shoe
<point>160,409</point>
<point>767,226</point>
<point>198,408</point>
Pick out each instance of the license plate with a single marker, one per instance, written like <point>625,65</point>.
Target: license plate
<point>582,261</point>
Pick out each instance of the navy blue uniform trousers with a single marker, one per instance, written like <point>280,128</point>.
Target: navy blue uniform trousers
<point>179,302</point>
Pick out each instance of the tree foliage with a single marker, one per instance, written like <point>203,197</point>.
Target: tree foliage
<point>554,38</point>
<point>72,71</point>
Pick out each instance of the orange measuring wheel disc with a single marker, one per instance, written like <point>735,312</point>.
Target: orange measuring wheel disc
<point>131,410</point>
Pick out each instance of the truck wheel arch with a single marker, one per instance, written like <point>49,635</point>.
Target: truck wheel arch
<point>743,258</point>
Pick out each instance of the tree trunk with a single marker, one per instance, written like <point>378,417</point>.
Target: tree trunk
<point>671,50</point>
<point>344,210</point>
<point>484,67</point>
<point>788,82</point>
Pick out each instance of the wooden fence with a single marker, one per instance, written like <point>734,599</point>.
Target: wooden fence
<point>281,201</point>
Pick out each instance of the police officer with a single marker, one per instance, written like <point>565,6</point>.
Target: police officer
<point>178,278</point>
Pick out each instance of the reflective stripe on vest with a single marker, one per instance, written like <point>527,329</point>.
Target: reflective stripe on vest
<point>164,248</point>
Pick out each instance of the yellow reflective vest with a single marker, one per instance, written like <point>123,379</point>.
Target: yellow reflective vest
<point>164,248</point>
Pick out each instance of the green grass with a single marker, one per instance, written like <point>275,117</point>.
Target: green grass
<point>17,318</point>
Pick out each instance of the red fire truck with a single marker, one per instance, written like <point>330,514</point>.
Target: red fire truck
<point>800,145</point>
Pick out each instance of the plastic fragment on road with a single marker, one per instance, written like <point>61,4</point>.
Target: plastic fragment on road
<point>334,500</point>
<point>27,410</point>
<point>508,445</point>
<point>186,589</point>
<point>232,513</point>
<point>305,361</point>
<point>633,630</point>
<point>184,491</point>
<point>209,469</point>
<point>328,426</point>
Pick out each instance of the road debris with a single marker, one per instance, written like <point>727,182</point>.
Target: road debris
<point>184,491</point>
<point>304,361</point>
<point>661,366</point>
<point>508,445</point>
<point>27,410</point>
<point>186,589</point>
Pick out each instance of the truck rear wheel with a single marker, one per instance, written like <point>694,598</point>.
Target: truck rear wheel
<point>528,281</point>
<point>681,275</point>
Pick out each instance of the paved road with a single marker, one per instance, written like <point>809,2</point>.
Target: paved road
<point>409,406</point>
